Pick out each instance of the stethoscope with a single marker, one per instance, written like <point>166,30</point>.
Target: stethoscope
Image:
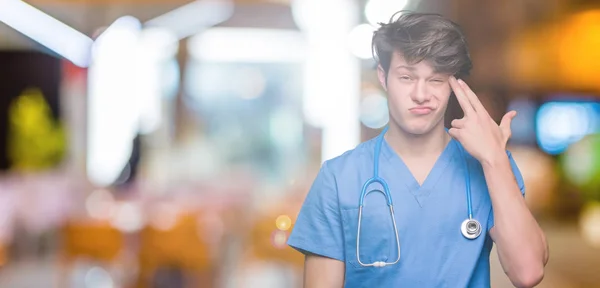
<point>470,228</point>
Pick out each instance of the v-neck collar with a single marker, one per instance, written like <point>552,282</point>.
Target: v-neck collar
<point>420,191</point>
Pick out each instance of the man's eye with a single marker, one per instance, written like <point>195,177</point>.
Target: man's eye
<point>405,78</point>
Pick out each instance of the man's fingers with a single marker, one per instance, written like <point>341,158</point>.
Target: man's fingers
<point>461,97</point>
<point>473,99</point>
<point>458,123</point>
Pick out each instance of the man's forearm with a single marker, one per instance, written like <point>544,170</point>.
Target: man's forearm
<point>521,244</point>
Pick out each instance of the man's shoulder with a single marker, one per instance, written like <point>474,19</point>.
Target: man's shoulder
<point>356,156</point>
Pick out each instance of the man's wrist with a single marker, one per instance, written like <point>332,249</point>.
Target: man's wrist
<point>495,160</point>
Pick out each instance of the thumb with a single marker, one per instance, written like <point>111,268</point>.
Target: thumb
<point>505,122</point>
<point>454,133</point>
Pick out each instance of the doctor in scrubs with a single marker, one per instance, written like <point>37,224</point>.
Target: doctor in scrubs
<point>427,168</point>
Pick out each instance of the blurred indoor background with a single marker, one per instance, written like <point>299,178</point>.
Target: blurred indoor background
<point>169,143</point>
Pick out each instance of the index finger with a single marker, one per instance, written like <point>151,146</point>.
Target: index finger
<point>477,105</point>
<point>463,101</point>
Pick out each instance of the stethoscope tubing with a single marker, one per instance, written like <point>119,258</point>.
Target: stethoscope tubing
<point>470,228</point>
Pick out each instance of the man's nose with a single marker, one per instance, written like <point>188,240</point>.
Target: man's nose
<point>421,93</point>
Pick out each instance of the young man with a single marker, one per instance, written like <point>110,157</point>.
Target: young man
<point>436,179</point>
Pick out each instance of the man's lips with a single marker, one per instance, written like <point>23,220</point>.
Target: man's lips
<point>421,110</point>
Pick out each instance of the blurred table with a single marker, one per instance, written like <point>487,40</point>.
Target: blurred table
<point>572,264</point>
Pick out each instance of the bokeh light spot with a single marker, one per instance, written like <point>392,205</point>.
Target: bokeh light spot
<point>283,222</point>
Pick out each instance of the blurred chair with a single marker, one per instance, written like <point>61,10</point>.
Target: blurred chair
<point>267,261</point>
<point>92,240</point>
<point>3,255</point>
<point>266,241</point>
<point>167,255</point>
<point>271,229</point>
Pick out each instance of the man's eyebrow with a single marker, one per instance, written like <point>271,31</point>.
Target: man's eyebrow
<point>411,68</point>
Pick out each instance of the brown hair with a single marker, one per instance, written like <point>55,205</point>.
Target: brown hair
<point>423,36</point>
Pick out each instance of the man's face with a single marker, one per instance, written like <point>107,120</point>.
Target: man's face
<point>417,95</point>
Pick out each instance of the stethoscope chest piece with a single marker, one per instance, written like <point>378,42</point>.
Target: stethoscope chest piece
<point>470,228</point>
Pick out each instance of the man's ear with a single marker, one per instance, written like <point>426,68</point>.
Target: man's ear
<point>382,77</point>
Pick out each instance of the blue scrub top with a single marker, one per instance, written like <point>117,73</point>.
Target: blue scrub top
<point>434,253</point>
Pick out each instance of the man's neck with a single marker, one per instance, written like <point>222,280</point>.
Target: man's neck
<point>414,146</point>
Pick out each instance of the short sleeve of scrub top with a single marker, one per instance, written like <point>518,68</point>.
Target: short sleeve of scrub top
<point>318,228</point>
<point>520,182</point>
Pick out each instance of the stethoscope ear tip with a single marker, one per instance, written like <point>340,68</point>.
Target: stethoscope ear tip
<point>470,228</point>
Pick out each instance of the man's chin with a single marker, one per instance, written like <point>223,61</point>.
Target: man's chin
<point>418,130</point>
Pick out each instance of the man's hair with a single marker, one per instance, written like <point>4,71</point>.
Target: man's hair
<point>423,37</point>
